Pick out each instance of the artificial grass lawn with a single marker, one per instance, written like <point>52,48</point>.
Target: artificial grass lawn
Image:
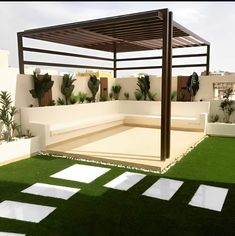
<point>97,210</point>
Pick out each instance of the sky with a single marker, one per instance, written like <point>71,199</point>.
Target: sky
<point>213,21</point>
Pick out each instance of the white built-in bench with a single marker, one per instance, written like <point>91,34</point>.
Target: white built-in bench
<point>61,128</point>
<point>177,122</point>
<point>58,123</point>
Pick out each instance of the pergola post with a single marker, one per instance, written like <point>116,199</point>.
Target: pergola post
<point>166,84</point>
<point>20,52</point>
<point>114,60</point>
<point>208,60</point>
<point>169,79</point>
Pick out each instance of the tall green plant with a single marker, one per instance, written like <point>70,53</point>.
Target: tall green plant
<point>67,87</point>
<point>116,89</point>
<point>193,85</point>
<point>226,105</point>
<point>42,84</point>
<point>7,116</point>
<point>144,86</point>
<point>93,85</point>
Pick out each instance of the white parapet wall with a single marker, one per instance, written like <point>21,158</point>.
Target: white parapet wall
<point>19,149</point>
<point>216,110</point>
<point>205,91</point>
<point>220,129</point>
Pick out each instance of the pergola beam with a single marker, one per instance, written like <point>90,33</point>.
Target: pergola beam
<point>29,49</point>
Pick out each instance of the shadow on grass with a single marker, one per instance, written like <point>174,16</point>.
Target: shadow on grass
<point>113,212</point>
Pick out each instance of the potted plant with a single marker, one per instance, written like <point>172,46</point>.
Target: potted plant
<point>93,85</point>
<point>67,87</point>
<point>225,128</point>
<point>42,88</point>
<point>116,89</point>
<point>143,82</point>
<point>193,85</point>
<point>227,105</point>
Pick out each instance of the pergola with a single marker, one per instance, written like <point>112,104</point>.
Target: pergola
<point>151,30</point>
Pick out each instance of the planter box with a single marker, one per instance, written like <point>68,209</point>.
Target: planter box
<point>221,129</point>
<point>18,149</point>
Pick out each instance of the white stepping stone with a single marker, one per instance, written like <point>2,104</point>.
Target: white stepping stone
<point>125,181</point>
<point>10,234</point>
<point>209,197</point>
<point>163,189</point>
<point>49,190</point>
<point>81,173</point>
<point>24,211</point>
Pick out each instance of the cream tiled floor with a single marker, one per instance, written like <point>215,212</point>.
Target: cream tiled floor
<point>128,145</point>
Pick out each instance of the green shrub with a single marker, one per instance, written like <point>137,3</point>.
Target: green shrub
<point>52,103</point>
<point>60,101</point>
<point>111,96</point>
<point>152,96</point>
<point>7,116</point>
<point>82,97</point>
<point>214,118</point>
<point>116,89</point>
<point>89,99</point>
<point>138,95</point>
<point>103,98</point>
<point>173,95</point>
<point>126,95</point>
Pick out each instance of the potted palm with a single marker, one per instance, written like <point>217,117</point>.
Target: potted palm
<point>67,87</point>
<point>116,89</point>
<point>42,88</point>
<point>93,85</point>
<point>193,85</point>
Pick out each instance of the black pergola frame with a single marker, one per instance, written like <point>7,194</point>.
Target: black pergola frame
<point>133,32</point>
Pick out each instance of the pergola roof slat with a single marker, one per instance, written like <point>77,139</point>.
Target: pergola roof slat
<point>128,30</point>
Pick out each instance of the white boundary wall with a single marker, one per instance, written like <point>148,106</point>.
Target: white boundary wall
<point>205,91</point>
<point>215,110</point>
